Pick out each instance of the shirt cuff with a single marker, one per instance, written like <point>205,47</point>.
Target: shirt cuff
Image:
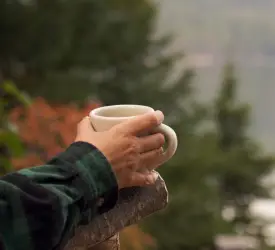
<point>97,178</point>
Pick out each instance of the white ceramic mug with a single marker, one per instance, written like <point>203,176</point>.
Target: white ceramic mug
<point>106,117</point>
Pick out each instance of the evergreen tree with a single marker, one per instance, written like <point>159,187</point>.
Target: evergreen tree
<point>246,165</point>
<point>216,170</point>
<point>78,49</point>
<point>73,50</point>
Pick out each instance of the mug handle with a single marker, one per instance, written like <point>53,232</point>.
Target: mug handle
<point>171,139</point>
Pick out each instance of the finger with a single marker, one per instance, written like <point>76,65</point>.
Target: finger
<point>151,142</point>
<point>152,159</point>
<point>85,123</point>
<point>140,179</point>
<point>141,123</point>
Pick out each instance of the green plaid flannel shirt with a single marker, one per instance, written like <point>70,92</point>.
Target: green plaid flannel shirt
<point>41,206</point>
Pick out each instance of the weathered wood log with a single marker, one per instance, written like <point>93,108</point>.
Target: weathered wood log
<point>134,204</point>
<point>109,244</point>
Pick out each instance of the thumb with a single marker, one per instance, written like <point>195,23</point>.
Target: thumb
<point>144,179</point>
<point>85,124</point>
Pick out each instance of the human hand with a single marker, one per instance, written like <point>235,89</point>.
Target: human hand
<point>125,150</point>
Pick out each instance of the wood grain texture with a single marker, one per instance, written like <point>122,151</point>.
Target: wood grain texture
<point>109,244</point>
<point>134,204</point>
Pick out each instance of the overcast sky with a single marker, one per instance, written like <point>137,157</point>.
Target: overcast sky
<point>261,95</point>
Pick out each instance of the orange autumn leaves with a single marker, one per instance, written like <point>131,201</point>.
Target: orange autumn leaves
<point>45,131</point>
<point>133,238</point>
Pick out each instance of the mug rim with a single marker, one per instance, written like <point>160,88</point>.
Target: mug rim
<point>95,112</point>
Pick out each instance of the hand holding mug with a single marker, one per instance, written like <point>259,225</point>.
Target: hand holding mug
<point>128,153</point>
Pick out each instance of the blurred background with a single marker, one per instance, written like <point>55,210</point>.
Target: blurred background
<point>209,65</point>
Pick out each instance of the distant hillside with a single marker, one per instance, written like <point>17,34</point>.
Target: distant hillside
<point>212,25</point>
<point>209,30</point>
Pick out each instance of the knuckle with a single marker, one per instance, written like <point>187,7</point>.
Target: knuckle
<point>132,163</point>
<point>160,139</point>
<point>132,157</point>
<point>158,152</point>
<point>134,147</point>
<point>152,120</point>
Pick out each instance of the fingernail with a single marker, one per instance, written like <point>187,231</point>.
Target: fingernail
<point>151,179</point>
<point>156,175</point>
<point>160,116</point>
<point>148,183</point>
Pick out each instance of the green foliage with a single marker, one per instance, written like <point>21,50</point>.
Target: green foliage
<point>73,50</point>
<point>10,144</point>
<point>86,46</point>
<point>193,217</point>
<point>215,169</point>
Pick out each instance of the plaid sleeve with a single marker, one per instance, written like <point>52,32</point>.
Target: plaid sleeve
<point>41,206</point>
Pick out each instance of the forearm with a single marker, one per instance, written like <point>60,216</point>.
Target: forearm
<point>40,206</point>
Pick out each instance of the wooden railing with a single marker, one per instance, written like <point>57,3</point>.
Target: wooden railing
<point>134,204</point>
